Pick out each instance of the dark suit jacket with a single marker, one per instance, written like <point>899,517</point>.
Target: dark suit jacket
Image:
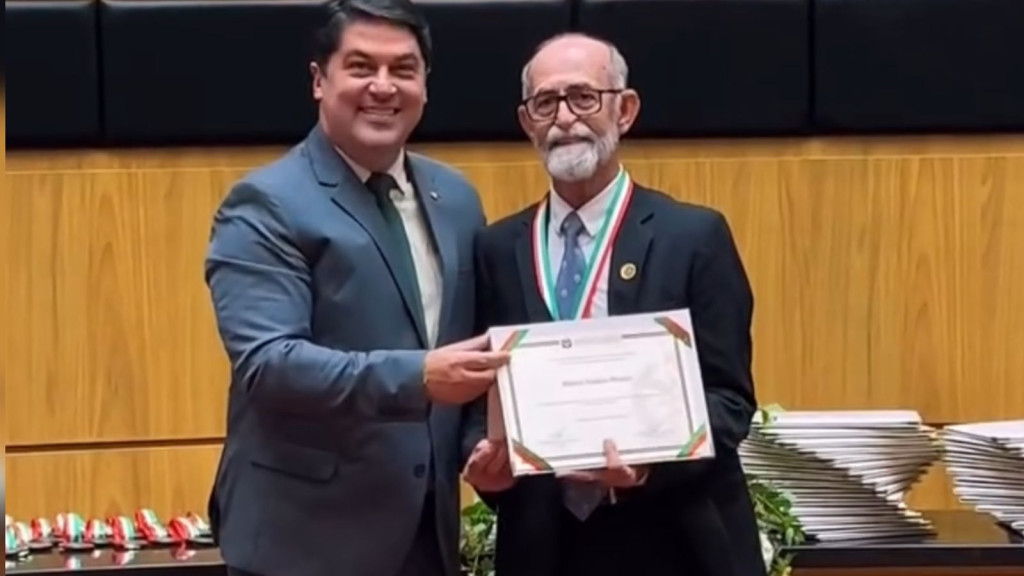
<point>330,438</point>
<point>688,518</point>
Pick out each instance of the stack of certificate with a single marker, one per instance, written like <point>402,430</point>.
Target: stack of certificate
<point>846,473</point>
<point>986,463</point>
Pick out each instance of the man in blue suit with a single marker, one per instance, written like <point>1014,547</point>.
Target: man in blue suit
<point>342,280</point>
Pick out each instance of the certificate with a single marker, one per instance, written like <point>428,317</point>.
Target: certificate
<point>569,386</point>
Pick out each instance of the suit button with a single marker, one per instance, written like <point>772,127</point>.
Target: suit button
<point>419,471</point>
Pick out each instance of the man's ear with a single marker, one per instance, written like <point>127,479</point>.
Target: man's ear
<point>629,109</point>
<point>318,79</point>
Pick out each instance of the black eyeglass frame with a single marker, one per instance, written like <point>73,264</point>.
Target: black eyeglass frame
<point>564,97</point>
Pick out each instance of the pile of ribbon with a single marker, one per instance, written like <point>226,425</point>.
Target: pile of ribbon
<point>70,532</point>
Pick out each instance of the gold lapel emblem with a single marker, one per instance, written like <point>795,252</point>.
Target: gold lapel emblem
<point>628,271</point>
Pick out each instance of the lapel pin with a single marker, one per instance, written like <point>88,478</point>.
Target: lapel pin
<point>434,196</point>
<point>628,271</point>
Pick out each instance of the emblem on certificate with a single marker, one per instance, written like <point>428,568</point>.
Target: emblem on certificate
<point>569,386</point>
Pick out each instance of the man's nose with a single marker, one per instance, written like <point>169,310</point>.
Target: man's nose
<point>564,116</point>
<point>382,85</point>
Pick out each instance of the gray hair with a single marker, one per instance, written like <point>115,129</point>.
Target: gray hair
<point>618,74</point>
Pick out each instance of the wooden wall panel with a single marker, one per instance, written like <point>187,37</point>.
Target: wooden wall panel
<point>4,274</point>
<point>98,482</point>
<point>116,337</point>
<point>101,483</point>
<point>886,274</point>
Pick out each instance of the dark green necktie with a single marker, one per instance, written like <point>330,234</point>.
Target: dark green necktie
<point>381,186</point>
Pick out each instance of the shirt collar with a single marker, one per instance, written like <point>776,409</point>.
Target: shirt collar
<point>592,213</point>
<point>397,170</point>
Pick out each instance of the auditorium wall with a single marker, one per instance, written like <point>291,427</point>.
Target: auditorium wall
<point>887,274</point>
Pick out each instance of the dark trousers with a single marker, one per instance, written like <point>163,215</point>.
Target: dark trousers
<point>423,559</point>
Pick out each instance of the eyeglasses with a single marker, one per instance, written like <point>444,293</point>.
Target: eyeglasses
<point>582,101</point>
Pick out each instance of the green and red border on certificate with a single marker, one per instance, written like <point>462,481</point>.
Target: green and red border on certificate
<point>696,446</point>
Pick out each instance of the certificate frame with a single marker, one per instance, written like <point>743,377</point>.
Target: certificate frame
<point>692,441</point>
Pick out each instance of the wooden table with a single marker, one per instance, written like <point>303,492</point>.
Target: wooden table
<point>967,544</point>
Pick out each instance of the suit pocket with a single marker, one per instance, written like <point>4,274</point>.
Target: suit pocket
<point>297,461</point>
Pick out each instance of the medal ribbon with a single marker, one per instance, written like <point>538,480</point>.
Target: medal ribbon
<point>96,531</point>
<point>622,191</point>
<point>199,523</point>
<point>62,524</point>
<point>150,525</point>
<point>12,539</point>
<point>23,531</point>
<point>124,529</point>
<point>42,529</point>
<point>146,517</point>
<point>148,522</point>
<point>182,529</point>
<point>74,529</point>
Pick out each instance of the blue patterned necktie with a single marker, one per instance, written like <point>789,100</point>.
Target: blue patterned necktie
<point>570,273</point>
<point>580,498</point>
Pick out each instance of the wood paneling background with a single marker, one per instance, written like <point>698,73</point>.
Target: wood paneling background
<point>887,274</point>
<point>4,272</point>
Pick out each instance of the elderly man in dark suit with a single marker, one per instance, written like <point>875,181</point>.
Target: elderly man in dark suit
<point>342,281</point>
<point>692,518</point>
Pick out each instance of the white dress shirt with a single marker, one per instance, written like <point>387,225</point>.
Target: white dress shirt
<point>592,214</point>
<point>425,260</point>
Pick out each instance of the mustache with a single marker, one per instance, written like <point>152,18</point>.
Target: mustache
<point>577,133</point>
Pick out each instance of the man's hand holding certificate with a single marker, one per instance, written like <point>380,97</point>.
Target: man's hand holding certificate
<point>573,392</point>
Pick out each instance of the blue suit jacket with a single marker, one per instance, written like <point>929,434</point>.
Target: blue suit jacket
<point>329,433</point>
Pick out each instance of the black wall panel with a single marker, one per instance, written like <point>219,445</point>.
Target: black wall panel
<point>919,65</point>
<point>51,73</point>
<point>206,71</point>
<point>711,67</point>
<point>183,72</point>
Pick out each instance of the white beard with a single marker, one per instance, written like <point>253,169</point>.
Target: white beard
<point>579,160</point>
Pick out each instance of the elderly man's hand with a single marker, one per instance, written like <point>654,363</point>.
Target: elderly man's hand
<point>615,474</point>
<point>489,469</point>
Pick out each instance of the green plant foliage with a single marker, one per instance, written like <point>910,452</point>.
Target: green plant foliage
<point>479,530</point>
<point>777,523</point>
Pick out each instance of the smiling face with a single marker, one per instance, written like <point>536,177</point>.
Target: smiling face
<point>575,113</point>
<point>372,90</point>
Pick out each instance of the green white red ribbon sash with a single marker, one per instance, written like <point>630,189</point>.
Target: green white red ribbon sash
<point>60,524</point>
<point>42,529</point>
<point>23,531</point>
<point>123,528</point>
<point>146,518</point>
<point>201,525</point>
<point>151,527</point>
<point>597,263</point>
<point>71,527</point>
<point>12,543</point>
<point>183,530</point>
<point>97,531</point>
